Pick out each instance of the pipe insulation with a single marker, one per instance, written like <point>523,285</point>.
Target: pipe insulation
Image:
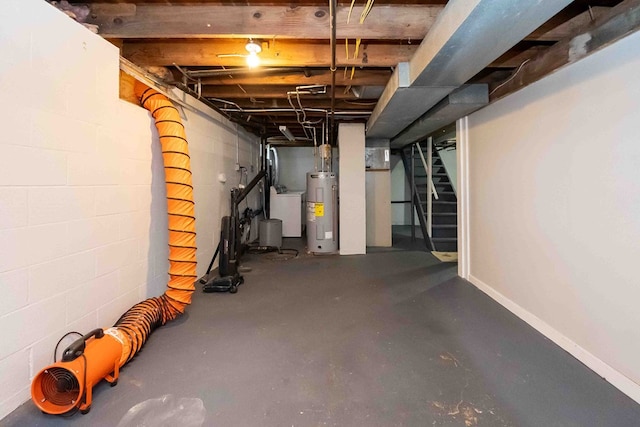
<point>67,385</point>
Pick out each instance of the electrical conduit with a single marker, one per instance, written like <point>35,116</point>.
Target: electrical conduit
<point>67,385</point>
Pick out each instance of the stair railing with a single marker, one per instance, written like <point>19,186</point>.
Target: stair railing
<point>431,190</point>
<point>416,202</point>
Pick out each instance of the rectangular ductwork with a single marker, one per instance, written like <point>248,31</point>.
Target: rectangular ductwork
<point>467,36</point>
<point>459,103</point>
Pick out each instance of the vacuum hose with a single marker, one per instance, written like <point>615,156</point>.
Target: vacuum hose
<point>67,385</point>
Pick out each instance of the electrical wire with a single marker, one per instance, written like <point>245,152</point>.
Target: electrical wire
<point>350,10</point>
<point>84,386</point>
<point>366,11</point>
<point>55,350</point>
<point>256,249</point>
<point>510,78</point>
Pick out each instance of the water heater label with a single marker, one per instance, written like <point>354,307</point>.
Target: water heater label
<point>328,235</point>
<point>311,212</point>
<point>319,209</point>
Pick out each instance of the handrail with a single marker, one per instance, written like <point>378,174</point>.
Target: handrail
<point>431,186</point>
<point>428,170</point>
<point>412,183</point>
<point>416,202</point>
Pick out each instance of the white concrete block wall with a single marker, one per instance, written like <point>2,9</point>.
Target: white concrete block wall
<point>83,222</point>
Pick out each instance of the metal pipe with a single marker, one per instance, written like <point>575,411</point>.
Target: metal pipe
<point>239,197</point>
<point>238,72</point>
<point>332,14</point>
<point>413,193</point>
<point>334,202</point>
<point>291,110</point>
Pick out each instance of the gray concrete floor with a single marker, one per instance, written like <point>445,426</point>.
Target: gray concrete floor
<point>392,338</point>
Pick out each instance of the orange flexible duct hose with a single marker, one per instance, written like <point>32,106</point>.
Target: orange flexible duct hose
<point>67,385</point>
<point>180,206</point>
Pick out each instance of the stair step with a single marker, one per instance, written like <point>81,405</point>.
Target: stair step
<point>444,206</point>
<point>437,178</point>
<point>453,220</point>
<point>444,218</point>
<point>445,246</point>
<point>440,192</point>
<point>444,231</point>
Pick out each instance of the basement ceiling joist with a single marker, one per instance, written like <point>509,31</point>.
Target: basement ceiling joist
<point>198,35</point>
<point>362,77</point>
<point>127,20</point>
<point>611,26</point>
<point>271,91</point>
<point>364,105</point>
<point>275,53</point>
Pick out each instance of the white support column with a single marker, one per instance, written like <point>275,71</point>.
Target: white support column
<point>351,178</point>
<point>462,136</point>
<point>430,186</point>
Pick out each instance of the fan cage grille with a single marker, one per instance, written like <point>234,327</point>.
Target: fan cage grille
<point>60,386</point>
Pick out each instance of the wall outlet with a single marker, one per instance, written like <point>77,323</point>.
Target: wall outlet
<point>237,166</point>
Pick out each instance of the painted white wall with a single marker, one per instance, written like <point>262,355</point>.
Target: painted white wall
<point>351,183</point>
<point>82,199</point>
<point>448,157</point>
<point>554,208</point>
<point>295,162</point>
<point>400,212</point>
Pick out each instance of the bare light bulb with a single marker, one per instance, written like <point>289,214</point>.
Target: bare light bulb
<point>253,60</point>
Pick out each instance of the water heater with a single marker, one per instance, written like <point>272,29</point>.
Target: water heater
<point>322,206</point>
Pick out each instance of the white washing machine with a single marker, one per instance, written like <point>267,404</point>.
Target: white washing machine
<point>289,207</point>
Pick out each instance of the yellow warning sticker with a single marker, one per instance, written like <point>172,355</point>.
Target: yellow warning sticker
<point>319,209</point>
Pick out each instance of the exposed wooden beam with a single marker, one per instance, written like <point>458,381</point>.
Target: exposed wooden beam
<point>275,54</point>
<point>361,77</point>
<point>514,57</point>
<point>566,28</point>
<point>283,104</point>
<point>620,21</point>
<point>258,91</point>
<point>156,20</point>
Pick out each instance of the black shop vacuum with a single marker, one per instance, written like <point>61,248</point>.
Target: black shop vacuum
<point>229,247</point>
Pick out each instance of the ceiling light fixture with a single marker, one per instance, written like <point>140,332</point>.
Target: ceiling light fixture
<point>287,133</point>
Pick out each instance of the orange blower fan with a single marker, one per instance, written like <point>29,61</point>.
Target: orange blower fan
<point>68,384</point>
